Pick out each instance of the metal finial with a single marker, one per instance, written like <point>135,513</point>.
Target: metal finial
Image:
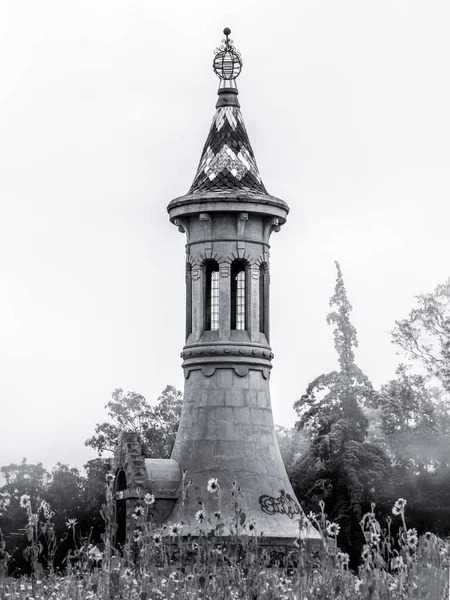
<point>227,63</point>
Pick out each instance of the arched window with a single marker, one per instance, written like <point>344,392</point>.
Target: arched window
<point>188,300</point>
<point>211,312</point>
<point>121,482</point>
<point>238,295</point>
<point>262,299</point>
<point>121,510</point>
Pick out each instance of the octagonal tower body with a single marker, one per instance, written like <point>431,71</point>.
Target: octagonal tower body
<point>227,429</point>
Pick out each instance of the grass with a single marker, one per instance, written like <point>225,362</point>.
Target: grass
<point>164,564</point>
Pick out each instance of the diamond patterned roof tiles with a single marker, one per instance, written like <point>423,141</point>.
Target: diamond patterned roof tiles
<point>227,161</point>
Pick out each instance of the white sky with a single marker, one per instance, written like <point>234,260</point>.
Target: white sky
<point>104,109</point>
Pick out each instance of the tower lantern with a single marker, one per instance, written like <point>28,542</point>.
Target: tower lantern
<point>226,429</point>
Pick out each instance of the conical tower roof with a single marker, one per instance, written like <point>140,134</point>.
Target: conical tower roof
<point>227,161</point>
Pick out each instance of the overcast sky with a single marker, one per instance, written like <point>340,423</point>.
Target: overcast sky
<point>104,109</point>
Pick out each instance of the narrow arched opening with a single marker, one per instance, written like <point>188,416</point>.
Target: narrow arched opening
<point>211,295</point>
<point>238,295</point>
<point>262,321</point>
<point>264,300</point>
<point>121,509</point>
<point>188,300</point>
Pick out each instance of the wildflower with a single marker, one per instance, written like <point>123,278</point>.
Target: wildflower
<point>217,514</point>
<point>252,526</point>
<point>365,554</point>
<point>200,516</point>
<point>25,501</point>
<point>375,538</point>
<point>109,477</point>
<point>333,529</point>
<point>411,538</point>
<point>342,559</point>
<point>149,499</point>
<point>399,506</point>
<point>190,578</point>
<point>138,512</point>
<point>175,529</point>
<point>137,537</point>
<point>397,563</point>
<point>46,510</point>
<point>95,554</point>
<point>70,523</point>
<point>157,539</point>
<point>213,485</point>
<point>312,516</point>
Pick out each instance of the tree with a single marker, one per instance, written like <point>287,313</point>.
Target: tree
<point>340,466</point>
<point>25,478</point>
<point>21,479</point>
<point>64,496</point>
<point>57,497</point>
<point>93,496</point>
<point>412,412</point>
<point>292,443</point>
<point>425,335</point>
<point>413,421</point>
<point>156,426</point>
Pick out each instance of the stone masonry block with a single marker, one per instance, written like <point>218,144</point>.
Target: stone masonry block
<point>224,378</point>
<point>234,398</point>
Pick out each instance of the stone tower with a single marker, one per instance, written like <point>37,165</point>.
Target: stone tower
<point>227,430</point>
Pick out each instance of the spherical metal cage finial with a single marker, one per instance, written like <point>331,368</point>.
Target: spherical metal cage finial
<point>227,62</point>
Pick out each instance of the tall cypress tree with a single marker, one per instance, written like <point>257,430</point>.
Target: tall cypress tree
<point>340,466</point>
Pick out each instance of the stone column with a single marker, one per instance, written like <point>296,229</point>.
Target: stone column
<point>197,302</point>
<point>224,301</point>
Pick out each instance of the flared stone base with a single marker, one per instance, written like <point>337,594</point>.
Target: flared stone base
<point>227,433</point>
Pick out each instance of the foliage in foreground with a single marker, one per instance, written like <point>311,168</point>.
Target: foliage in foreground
<point>159,563</point>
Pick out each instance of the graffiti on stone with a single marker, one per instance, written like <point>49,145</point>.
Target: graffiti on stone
<point>284,505</point>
